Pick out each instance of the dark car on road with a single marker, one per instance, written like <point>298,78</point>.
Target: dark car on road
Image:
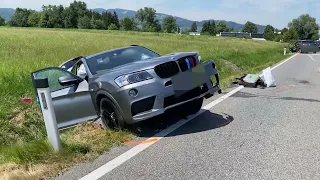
<point>128,85</point>
<point>317,43</point>
<point>306,46</point>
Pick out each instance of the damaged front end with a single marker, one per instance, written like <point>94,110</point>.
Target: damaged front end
<point>204,74</point>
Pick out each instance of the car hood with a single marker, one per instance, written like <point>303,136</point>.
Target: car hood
<point>144,64</point>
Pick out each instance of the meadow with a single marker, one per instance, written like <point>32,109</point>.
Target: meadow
<point>23,50</point>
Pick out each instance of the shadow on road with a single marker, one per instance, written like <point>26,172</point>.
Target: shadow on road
<point>249,95</point>
<point>204,122</point>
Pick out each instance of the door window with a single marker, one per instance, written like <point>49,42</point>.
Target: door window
<point>53,76</point>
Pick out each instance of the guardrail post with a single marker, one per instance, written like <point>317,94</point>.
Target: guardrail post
<point>43,91</point>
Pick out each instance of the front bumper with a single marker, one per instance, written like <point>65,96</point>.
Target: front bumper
<point>157,95</point>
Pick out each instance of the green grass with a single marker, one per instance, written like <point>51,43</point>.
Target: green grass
<point>23,50</point>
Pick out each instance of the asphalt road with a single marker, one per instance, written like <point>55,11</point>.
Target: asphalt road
<point>268,133</point>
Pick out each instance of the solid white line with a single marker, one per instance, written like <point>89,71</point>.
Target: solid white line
<point>312,58</point>
<point>283,62</point>
<point>109,166</point>
<point>138,148</point>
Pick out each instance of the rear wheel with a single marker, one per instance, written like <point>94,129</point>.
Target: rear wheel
<point>110,115</point>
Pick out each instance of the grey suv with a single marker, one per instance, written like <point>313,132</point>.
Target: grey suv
<point>127,85</point>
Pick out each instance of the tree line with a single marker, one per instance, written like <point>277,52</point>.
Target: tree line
<point>77,15</point>
<point>211,28</point>
<point>304,27</point>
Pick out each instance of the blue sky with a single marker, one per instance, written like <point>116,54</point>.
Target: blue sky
<point>275,12</point>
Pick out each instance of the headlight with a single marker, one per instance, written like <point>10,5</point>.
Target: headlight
<point>132,78</point>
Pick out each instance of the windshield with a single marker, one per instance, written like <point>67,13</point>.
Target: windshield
<point>112,59</point>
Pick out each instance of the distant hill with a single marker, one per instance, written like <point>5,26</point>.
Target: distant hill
<point>7,13</point>
<point>182,22</point>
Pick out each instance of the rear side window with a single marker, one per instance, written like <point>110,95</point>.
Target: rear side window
<point>70,63</point>
<point>307,43</point>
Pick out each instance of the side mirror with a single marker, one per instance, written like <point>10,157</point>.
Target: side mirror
<point>68,80</point>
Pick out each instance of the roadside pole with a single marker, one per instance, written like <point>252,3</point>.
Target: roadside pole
<point>284,51</point>
<point>43,90</point>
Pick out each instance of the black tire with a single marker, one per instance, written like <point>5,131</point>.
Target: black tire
<point>190,108</point>
<point>110,115</point>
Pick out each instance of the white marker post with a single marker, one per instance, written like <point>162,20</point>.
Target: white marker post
<point>43,90</point>
<point>284,51</point>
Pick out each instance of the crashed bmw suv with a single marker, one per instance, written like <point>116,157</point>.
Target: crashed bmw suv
<point>127,85</point>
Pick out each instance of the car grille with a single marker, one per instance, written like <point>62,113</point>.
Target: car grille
<point>171,100</point>
<point>167,70</point>
<point>187,63</point>
<point>171,68</point>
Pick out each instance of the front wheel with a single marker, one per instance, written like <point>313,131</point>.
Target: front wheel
<point>110,115</point>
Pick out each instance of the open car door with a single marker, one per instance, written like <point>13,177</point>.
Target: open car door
<point>72,102</point>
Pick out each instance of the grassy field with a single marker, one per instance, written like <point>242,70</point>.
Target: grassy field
<point>23,50</point>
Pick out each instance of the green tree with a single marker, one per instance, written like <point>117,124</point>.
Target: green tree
<point>107,18</point>
<point>68,15</point>
<point>147,19</point>
<point>222,27</point>
<point>206,27</point>
<point>157,25</point>
<point>2,21</point>
<point>84,23</point>
<point>33,19</point>
<point>169,24</point>
<point>306,27</point>
<point>128,24</point>
<point>291,34</point>
<point>194,27</point>
<point>284,30</point>
<point>20,17</point>
<point>94,15</point>
<point>209,28</point>
<point>73,12</point>
<point>52,16</point>
<point>212,28</point>
<point>98,24</point>
<point>249,27</point>
<point>115,20</point>
<point>269,33</point>
<point>112,26</point>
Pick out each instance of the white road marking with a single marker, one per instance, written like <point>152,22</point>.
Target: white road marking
<point>312,58</point>
<point>109,166</point>
<point>283,62</point>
